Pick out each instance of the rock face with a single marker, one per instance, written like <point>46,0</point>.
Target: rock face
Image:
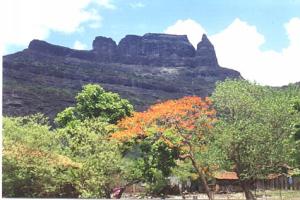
<point>42,46</point>
<point>153,49</point>
<point>104,48</point>
<point>144,69</point>
<point>153,45</point>
<point>206,54</point>
<point>56,50</point>
<point>156,49</point>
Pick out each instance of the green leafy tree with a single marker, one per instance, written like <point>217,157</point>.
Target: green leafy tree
<point>297,108</point>
<point>153,161</point>
<point>297,135</point>
<point>32,166</point>
<point>184,171</point>
<point>92,102</point>
<point>88,142</point>
<point>79,160</point>
<point>254,129</point>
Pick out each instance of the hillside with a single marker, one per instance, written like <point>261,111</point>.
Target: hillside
<point>144,69</point>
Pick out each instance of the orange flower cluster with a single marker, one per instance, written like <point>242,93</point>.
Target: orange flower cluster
<point>182,113</point>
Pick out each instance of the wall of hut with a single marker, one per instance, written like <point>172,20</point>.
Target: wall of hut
<point>177,187</point>
<point>281,182</point>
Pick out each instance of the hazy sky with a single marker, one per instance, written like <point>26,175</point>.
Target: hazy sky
<point>259,38</point>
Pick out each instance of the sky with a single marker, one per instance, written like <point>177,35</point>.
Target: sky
<point>258,38</point>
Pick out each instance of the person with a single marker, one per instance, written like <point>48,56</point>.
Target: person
<point>290,181</point>
<point>117,192</point>
<point>185,192</point>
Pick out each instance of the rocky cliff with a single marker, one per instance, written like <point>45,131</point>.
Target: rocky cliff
<point>144,69</point>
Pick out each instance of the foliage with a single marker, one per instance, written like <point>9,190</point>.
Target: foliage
<point>182,125</point>
<point>297,108</point>
<point>33,131</point>
<point>184,171</point>
<point>79,160</point>
<point>164,118</point>
<point>255,128</point>
<point>153,160</point>
<point>32,166</point>
<point>94,102</point>
<point>297,135</point>
<point>87,142</point>
<point>254,136</point>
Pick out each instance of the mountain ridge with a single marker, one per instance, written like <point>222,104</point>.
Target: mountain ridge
<point>144,69</point>
<point>151,48</point>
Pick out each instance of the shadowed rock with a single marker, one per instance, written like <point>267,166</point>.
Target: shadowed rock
<point>156,45</point>
<point>45,47</point>
<point>104,48</point>
<point>144,69</point>
<point>153,49</point>
<point>205,53</point>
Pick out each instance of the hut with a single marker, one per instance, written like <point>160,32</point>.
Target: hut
<point>226,182</point>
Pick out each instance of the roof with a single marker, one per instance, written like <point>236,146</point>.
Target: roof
<point>273,176</point>
<point>226,175</point>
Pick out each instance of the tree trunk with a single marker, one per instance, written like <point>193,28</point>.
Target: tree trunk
<point>207,190</point>
<point>246,189</point>
<point>203,179</point>
<point>107,193</point>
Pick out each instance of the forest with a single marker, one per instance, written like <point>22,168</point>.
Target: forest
<point>102,143</point>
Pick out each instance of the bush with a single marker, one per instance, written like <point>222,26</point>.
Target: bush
<point>32,166</point>
<point>94,102</point>
<point>88,142</point>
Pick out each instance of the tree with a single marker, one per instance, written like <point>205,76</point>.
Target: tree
<point>297,135</point>
<point>92,102</point>
<point>32,165</point>
<point>79,160</point>
<point>88,142</point>
<point>183,125</point>
<point>254,129</point>
<point>297,108</point>
<point>152,159</point>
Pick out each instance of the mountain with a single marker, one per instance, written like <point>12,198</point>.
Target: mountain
<point>144,69</point>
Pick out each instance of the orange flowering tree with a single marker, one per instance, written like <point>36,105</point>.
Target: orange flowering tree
<point>184,124</point>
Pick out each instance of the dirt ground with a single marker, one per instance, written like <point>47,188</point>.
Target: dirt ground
<point>261,195</point>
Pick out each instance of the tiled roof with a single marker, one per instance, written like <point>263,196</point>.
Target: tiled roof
<point>273,176</point>
<point>226,175</point>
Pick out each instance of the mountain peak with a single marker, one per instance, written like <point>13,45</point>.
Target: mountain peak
<point>104,48</point>
<point>156,45</point>
<point>206,51</point>
<point>45,47</point>
<point>204,37</point>
<point>157,49</point>
<point>205,44</point>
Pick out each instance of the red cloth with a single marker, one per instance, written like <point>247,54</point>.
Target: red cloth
<point>117,192</point>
